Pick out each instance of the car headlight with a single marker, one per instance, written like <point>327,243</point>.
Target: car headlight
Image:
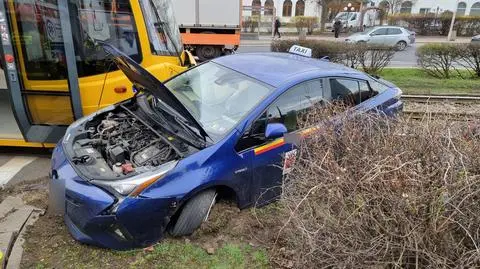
<point>135,185</point>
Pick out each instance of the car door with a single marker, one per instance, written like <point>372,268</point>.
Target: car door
<point>393,36</point>
<point>267,156</point>
<point>378,36</point>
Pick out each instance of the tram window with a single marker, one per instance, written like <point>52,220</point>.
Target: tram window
<point>40,35</point>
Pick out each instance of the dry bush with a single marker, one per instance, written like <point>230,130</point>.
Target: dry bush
<point>305,22</point>
<point>378,193</point>
<point>438,59</point>
<point>375,58</point>
<point>469,58</point>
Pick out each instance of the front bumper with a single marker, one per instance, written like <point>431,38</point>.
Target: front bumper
<point>88,214</point>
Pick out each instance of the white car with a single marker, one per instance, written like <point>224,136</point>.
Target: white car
<point>384,35</point>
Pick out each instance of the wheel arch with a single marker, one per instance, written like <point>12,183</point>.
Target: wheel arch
<point>224,192</point>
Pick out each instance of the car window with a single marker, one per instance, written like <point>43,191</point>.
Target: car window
<point>381,31</point>
<point>40,32</point>
<point>350,91</point>
<point>394,31</point>
<point>377,87</point>
<point>286,109</point>
<point>295,101</point>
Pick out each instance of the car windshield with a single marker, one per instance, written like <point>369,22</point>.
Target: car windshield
<point>217,97</point>
<point>344,15</point>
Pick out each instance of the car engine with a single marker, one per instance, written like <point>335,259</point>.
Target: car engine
<point>119,144</point>
<point>125,139</point>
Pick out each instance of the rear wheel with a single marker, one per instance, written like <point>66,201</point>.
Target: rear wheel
<point>401,45</point>
<point>195,211</point>
<point>206,53</point>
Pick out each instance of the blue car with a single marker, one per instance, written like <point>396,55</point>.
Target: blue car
<point>156,163</point>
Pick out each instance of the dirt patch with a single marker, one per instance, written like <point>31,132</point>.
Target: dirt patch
<point>49,245</point>
<point>227,235</point>
<point>34,193</point>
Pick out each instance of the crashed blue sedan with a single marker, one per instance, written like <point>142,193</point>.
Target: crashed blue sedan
<point>156,163</point>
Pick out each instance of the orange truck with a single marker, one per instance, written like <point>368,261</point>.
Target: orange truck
<point>209,28</point>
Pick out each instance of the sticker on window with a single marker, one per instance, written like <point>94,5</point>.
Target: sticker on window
<point>289,161</point>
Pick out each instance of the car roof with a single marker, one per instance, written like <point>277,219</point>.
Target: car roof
<point>387,26</point>
<point>278,68</point>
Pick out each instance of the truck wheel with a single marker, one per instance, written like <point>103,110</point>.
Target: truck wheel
<point>206,53</point>
<point>194,213</point>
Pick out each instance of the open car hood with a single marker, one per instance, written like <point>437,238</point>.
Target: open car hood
<point>144,81</point>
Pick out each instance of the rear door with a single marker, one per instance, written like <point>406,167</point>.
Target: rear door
<point>394,35</point>
<point>378,36</point>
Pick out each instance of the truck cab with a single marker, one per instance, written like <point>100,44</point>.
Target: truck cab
<point>55,71</point>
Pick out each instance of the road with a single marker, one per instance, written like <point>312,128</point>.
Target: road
<point>406,58</point>
<point>22,164</point>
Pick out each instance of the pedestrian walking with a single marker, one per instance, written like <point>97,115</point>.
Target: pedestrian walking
<point>277,27</point>
<point>337,26</point>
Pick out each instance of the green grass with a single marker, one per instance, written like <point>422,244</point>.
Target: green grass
<point>168,254</point>
<point>416,81</point>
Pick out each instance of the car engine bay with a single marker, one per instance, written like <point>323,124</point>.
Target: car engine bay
<point>119,143</point>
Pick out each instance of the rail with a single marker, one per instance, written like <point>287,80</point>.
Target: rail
<point>462,99</point>
<point>435,99</point>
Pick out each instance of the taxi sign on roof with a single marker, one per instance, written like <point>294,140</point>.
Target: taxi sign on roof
<point>302,51</point>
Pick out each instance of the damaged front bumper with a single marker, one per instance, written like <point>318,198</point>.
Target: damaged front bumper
<point>94,216</point>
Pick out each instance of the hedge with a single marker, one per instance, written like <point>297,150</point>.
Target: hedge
<point>371,58</point>
<point>444,60</point>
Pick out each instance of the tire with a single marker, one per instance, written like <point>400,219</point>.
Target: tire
<point>206,53</point>
<point>401,45</point>
<point>195,211</point>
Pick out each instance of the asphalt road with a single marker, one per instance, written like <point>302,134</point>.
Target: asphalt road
<point>406,58</point>
<point>22,164</point>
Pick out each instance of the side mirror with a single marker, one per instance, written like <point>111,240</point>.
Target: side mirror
<point>275,130</point>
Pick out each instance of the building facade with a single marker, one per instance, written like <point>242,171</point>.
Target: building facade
<point>284,9</point>
<point>464,7</point>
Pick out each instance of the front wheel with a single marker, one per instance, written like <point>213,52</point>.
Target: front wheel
<point>402,45</point>
<point>195,211</point>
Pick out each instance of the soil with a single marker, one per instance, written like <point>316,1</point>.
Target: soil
<point>48,243</point>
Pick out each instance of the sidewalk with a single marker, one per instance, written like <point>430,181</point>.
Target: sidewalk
<point>266,40</point>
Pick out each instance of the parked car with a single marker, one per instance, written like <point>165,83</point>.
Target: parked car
<point>157,162</point>
<point>385,35</point>
<point>476,39</point>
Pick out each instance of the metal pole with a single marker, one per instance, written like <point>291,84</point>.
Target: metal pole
<point>453,22</point>
<point>274,17</point>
